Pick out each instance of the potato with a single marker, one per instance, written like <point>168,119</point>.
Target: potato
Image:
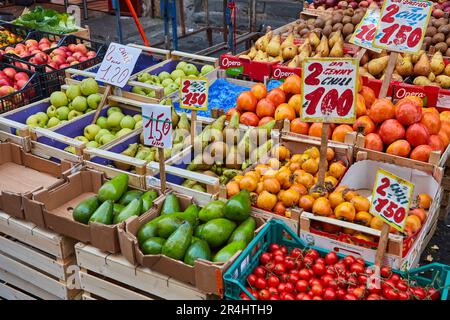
<point>445,29</point>
<point>329,23</point>
<point>347,29</point>
<point>319,23</point>
<point>327,30</point>
<point>356,19</point>
<point>427,41</point>
<point>346,19</point>
<point>338,26</point>
<point>442,47</point>
<point>431,31</point>
<point>438,37</point>
<point>447,53</point>
<point>440,22</point>
<point>311,21</point>
<point>337,18</point>
<point>349,12</point>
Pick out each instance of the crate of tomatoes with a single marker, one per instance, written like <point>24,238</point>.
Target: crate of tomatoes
<point>277,265</point>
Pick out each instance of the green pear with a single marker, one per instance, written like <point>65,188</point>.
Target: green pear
<point>62,113</point>
<point>137,117</point>
<point>102,122</point>
<point>73,114</point>
<point>114,119</point>
<point>52,122</point>
<point>177,74</point>
<point>51,111</point>
<point>73,91</point>
<point>181,65</point>
<point>127,122</point>
<point>92,144</point>
<point>89,86</point>
<point>112,110</point>
<point>139,124</point>
<point>82,139</point>
<point>107,138</point>
<point>58,99</point>
<point>163,76</point>
<point>101,133</point>
<point>123,132</point>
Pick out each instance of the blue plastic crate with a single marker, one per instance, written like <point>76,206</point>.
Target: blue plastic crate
<point>276,231</point>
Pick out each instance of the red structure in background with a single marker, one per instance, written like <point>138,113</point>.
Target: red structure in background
<point>137,4</point>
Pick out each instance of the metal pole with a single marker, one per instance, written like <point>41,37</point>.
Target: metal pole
<point>173,7</point>
<point>165,14</point>
<point>116,7</point>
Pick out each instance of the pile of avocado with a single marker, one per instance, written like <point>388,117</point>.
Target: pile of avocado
<point>114,203</point>
<point>215,232</point>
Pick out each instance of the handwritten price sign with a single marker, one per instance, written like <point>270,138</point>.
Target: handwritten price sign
<point>329,90</point>
<point>366,29</point>
<point>194,93</point>
<point>118,64</point>
<point>157,125</point>
<point>402,25</point>
<point>391,198</point>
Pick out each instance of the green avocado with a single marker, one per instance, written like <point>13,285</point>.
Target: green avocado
<point>168,225</point>
<point>152,245</point>
<point>113,189</point>
<point>117,209</point>
<point>197,250</point>
<point>147,200</point>
<point>217,231</point>
<point>198,230</point>
<point>134,208</point>
<point>212,210</point>
<point>229,251</point>
<point>245,231</point>
<point>84,210</point>
<point>171,204</point>
<point>177,244</point>
<point>130,196</point>
<point>104,213</point>
<point>238,206</point>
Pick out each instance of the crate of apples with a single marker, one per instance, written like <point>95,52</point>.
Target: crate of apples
<point>30,47</point>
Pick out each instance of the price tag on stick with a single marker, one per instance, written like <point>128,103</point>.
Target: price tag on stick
<point>157,126</point>
<point>366,29</point>
<point>391,199</point>
<point>402,25</point>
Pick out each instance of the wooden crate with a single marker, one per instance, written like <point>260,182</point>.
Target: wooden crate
<point>35,263</point>
<point>108,276</point>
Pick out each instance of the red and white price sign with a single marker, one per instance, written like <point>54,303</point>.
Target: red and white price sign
<point>329,90</point>
<point>402,25</point>
<point>118,64</point>
<point>366,29</point>
<point>194,93</point>
<point>391,198</point>
<point>157,125</point>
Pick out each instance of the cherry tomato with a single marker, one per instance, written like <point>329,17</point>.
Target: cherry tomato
<point>317,298</point>
<point>306,297</point>
<point>317,290</point>
<point>385,272</point>
<point>390,294</point>
<point>264,294</point>
<point>244,297</point>
<point>293,278</point>
<point>395,278</point>
<point>278,259</point>
<point>274,297</point>
<point>299,296</point>
<point>282,295</point>
<point>352,281</point>
<point>331,258</point>
<point>273,291</point>
<point>319,269</point>
<point>433,294</point>
<point>357,268</point>
<point>373,296</point>
<point>320,260</point>
<point>284,277</point>
<point>289,296</point>
<point>295,271</point>
<point>329,294</point>
<point>260,283</point>
<point>373,288</point>
<point>278,253</point>
<point>251,279</point>
<point>308,261</point>
<point>361,261</point>
<point>388,284</point>
<point>341,282</point>
<point>349,260</point>
<point>281,288</point>
<point>296,253</point>
<point>359,292</point>
<point>311,273</point>
<point>340,293</point>
<point>313,254</point>
<point>284,249</point>
<point>290,263</point>
<point>279,269</point>
<point>270,266</point>
<point>362,279</point>
<point>402,286</point>
<point>326,279</point>
<point>290,287</point>
<point>315,281</point>
<point>340,268</point>
<point>273,281</point>
<point>349,296</point>
<point>259,272</point>
<point>304,274</point>
<point>265,258</point>
<point>301,286</point>
<point>419,293</point>
<point>274,247</point>
<point>402,295</point>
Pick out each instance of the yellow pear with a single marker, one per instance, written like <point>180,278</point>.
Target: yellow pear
<point>404,66</point>
<point>323,48</point>
<point>294,63</point>
<point>443,81</point>
<point>281,59</point>
<point>338,49</point>
<point>260,56</point>
<point>303,56</point>
<point>267,39</point>
<point>422,67</point>
<point>289,52</point>
<point>305,46</point>
<point>377,66</point>
<point>415,57</point>
<point>313,39</point>
<point>437,64</point>
<point>447,70</point>
<point>335,37</point>
<point>262,42</point>
<point>431,76</point>
<point>289,41</point>
<point>421,81</point>
<point>274,47</point>
<point>252,53</point>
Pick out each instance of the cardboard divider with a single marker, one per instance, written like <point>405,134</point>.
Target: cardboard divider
<point>205,275</point>
<point>21,174</point>
<point>56,205</point>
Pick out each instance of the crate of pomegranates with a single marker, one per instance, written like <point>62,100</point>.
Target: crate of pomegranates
<point>277,265</point>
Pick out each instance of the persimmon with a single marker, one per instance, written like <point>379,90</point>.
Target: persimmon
<point>330,228</point>
<point>259,90</point>
<point>349,194</point>
<point>277,96</point>
<point>445,127</point>
<point>364,124</point>
<point>248,183</point>
<point>412,224</point>
<point>360,105</point>
<point>298,126</point>
<point>340,132</point>
<point>266,200</point>
<point>301,189</point>
<point>376,223</point>
<point>246,101</point>
<point>292,84</point>
<point>232,188</point>
<point>310,166</point>
<point>322,207</point>
<point>336,169</point>
<point>415,99</point>
<point>421,153</point>
<point>424,200</point>
<point>289,197</point>
<point>295,102</point>
<point>312,152</point>
<point>369,96</point>
<point>336,198</point>
<point>285,111</point>
<point>444,138</point>
<point>330,154</point>
<point>381,110</point>
<point>345,211</point>
<point>306,202</point>
<point>272,185</point>
<point>420,213</point>
<point>363,217</point>
<point>408,112</point>
<point>279,208</point>
<point>360,203</point>
<point>400,148</point>
<point>432,121</point>
<point>330,182</point>
<point>253,174</point>
<point>283,176</point>
<point>373,142</point>
<point>417,134</point>
<point>315,130</point>
<point>274,163</point>
<point>259,187</point>
<point>305,179</point>
<point>265,108</point>
<point>249,119</point>
<point>445,116</point>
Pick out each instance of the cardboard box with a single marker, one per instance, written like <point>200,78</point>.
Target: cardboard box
<point>205,275</point>
<point>361,177</point>
<point>57,203</point>
<point>21,174</point>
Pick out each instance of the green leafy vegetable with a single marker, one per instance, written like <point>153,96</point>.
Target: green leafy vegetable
<point>48,20</point>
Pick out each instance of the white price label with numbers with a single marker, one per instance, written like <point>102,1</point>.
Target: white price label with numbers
<point>157,125</point>
<point>118,64</point>
<point>194,93</point>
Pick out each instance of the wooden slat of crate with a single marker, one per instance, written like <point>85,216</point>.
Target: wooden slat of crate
<point>118,268</point>
<point>107,290</point>
<point>9,293</point>
<point>50,242</point>
<point>87,296</point>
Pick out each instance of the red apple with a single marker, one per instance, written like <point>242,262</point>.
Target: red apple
<point>20,48</point>
<point>74,63</point>
<point>72,47</point>
<point>82,59</point>
<point>21,76</point>
<point>64,65</point>
<point>4,82</point>
<point>10,72</point>
<point>44,47</point>
<point>54,45</point>
<point>31,43</point>
<point>77,55</point>
<point>58,60</point>
<point>2,74</point>
<point>40,58</point>
<point>59,52</point>
<point>82,48</point>
<point>5,90</point>
<point>35,51</point>
<point>54,65</point>
<point>21,83</point>
<point>69,54</point>
<point>70,59</point>
<point>44,40</point>
<point>91,54</point>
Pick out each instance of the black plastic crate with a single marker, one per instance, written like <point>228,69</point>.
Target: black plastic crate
<point>52,79</point>
<point>16,29</point>
<point>31,92</point>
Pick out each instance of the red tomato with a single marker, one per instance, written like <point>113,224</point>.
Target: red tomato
<point>373,296</point>
<point>296,253</point>
<point>357,268</point>
<point>402,295</point>
<point>317,290</point>
<point>278,253</point>
<point>274,297</point>
<point>264,294</point>
<point>349,260</point>
<point>362,279</point>
<point>317,298</point>
<point>274,247</point>
<point>308,261</point>
<point>284,249</point>
<point>395,278</point>
<point>251,279</point>
<point>341,282</point>
<point>284,277</point>
<point>282,295</point>
<point>265,258</point>
<point>295,271</point>
<point>299,296</point>
<point>319,269</point>
<point>340,268</point>
<point>259,272</point>
<point>293,278</point>
<point>301,286</point>
<point>402,286</point>
<point>290,263</point>
<point>320,260</point>
<point>312,253</point>
<point>327,279</point>
<point>244,297</point>
<point>260,283</point>
<point>419,293</point>
<point>304,274</point>
<point>390,294</point>
<point>273,281</point>
<point>306,297</point>
<point>278,259</point>
<point>273,291</point>
<point>340,293</point>
<point>314,281</point>
<point>359,292</point>
<point>385,272</point>
<point>329,294</point>
<point>289,287</point>
<point>269,267</point>
<point>281,288</point>
<point>349,296</point>
<point>289,296</point>
<point>361,261</point>
<point>433,294</point>
<point>331,258</point>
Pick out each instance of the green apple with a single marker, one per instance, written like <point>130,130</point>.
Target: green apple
<point>63,121</point>
<point>33,121</point>
<point>73,91</point>
<point>43,118</point>
<point>138,90</point>
<point>52,122</point>
<point>137,117</point>
<point>112,110</point>
<point>107,138</point>
<point>93,100</point>
<point>102,122</point>
<point>58,99</point>
<point>70,106</point>
<point>91,131</point>
<point>127,122</point>
<point>207,68</point>
<point>138,124</point>
<point>82,139</point>
<point>151,94</point>
<point>89,86</point>
<point>181,65</point>
<point>190,69</point>
<point>73,114</point>
<point>166,82</point>
<point>123,132</point>
<point>80,104</point>
<point>92,144</point>
<point>114,119</point>
<point>100,134</point>
<point>178,82</point>
<point>88,110</point>
<point>163,76</point>
<point>51,111</point>
<point>177,74</point>
<point>70,149</point>
<point>144,77</point>
<point>170,89</point>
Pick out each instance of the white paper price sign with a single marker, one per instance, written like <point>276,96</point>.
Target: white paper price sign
<point>194,93</point>
<point>402,25</point>
<point>329,90</point>
<point>391,198</point>
<point>365,30</point>
<point>157,125</point>
<point>118,64</point>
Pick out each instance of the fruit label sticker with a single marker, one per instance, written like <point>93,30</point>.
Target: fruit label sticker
<point>329,90</point>
<point>118,64</point>
<point>194,93</point>
<point>157,125</point>
<point>365,30</point>
<point>402,25</point>
<point>391,198</point>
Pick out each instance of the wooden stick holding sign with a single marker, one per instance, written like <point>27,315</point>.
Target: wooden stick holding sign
<point>328,96</point>
<point>391,198</point>
<point>157,128</point>
<point>115,70</point>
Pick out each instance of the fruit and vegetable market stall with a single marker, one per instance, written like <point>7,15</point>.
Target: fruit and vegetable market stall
<point>311,165</point>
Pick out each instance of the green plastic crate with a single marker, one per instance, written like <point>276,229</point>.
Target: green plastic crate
<point>276,231</point>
